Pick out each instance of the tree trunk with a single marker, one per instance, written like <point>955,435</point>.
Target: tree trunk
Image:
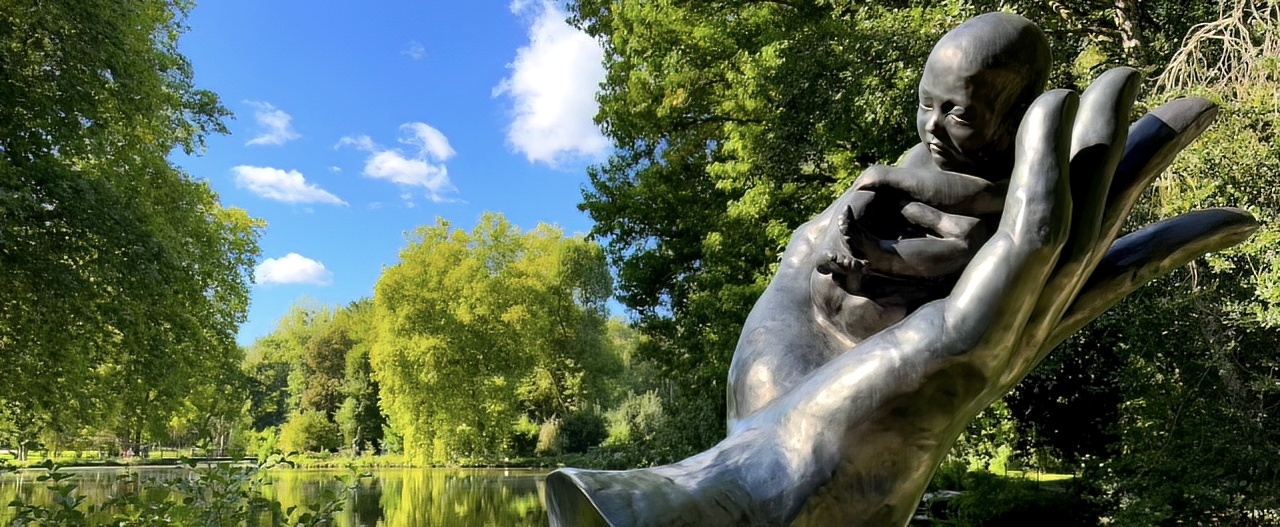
<point>1126,16</point>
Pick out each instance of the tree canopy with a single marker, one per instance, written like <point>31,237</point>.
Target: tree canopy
<point>735,121</point>
<point>478,328</point>
<point>125,280</point>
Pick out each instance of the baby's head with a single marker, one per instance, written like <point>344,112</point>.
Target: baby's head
<point>979,80</point>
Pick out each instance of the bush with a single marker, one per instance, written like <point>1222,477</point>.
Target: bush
<point>580,431</point>
<point>549,443</point>
<point>310,431</point>
<point>524,439</point>
<point>635,421</point>
<point>993,501</point>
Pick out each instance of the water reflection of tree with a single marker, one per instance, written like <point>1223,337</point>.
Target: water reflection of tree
<point>366,503</point>
<point>393,497</point>
<point>461,497</point>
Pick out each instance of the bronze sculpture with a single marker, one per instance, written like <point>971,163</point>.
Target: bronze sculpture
<point>923,294</point>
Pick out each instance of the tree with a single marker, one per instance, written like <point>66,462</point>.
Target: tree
<point>324,362</point>
<point>124,279</point>
<point>1199,423</point>
<point>360,417</point>
<point>1169,402</point>
<point>469,322</point>
<point>733,122</point>
<point>309,431</point>
<point>275,363</point>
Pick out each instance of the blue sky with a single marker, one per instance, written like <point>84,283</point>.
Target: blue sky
<point>357,122</point>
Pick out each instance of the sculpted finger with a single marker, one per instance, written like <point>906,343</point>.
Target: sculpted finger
<point>1097,140</point>
<point>1154,141</point>
<point>998,289</point>
<point>1148,253</point>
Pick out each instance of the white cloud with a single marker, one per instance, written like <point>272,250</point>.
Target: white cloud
<point>408,200</point>
<point>359,142</point>
<point>415,51</point>
<point>423,167</point>
<point>292,268</point>
<point>289,187</point>
<point>552,88</point>
<point>275,124</point>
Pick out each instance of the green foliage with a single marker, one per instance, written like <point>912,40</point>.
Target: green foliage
<point>549,443</point>
<point>636,421</point>
<point>524,439</point>
<point>582,430</point>
<point>989,441</point>
<point>317,360</point>
<point>324,361</point>
<point>989,500</point>
<point>125,280</point>
<point>261,443</point>
<point>363,423</point>
<point>310,431</point>
<point>733,123</point>
<point>1183,374</point>
<point>475,329</point>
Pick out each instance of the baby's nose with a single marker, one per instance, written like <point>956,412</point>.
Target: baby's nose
<point>933,123</point>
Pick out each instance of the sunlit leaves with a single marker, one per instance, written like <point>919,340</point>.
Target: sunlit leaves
<point>476,328</point>
<point>734,122</point>
<point>125,280</point>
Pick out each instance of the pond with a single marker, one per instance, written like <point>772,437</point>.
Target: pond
<point>392,497</point>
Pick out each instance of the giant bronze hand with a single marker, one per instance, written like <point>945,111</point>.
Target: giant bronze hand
<point>854,437</point>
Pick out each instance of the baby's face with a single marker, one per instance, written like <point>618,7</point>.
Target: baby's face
<point>961,117</point>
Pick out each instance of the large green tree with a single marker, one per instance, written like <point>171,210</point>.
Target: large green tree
<point>1199,426</point>
<point>360,417</point>
<point>733,122</point>
<point>124,279</point>
<point>477,328</point>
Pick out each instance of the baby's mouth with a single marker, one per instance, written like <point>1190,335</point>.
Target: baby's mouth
<point>940,148</point>
<point>941,153</point>
<point>945,156</point>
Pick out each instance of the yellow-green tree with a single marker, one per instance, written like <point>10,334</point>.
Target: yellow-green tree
<point>476,328</point>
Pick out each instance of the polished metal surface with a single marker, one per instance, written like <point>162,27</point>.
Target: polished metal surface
<point>924,293</point>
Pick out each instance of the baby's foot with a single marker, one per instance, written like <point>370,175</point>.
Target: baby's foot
<point>838,263</point>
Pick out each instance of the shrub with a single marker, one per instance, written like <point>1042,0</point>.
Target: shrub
<point>310,431</point>
<point>581,431</point>
<point>635,421</point>
<point>524,439</point>
<point>993,501</point>
<point>549,438</point>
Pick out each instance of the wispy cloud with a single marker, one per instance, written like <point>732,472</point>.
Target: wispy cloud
<point>552,88</point>
<point>275,125</point>
<point>415,51</point>
<point>276,184</point>
<point>423,166</point>
<point>292,268</point>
